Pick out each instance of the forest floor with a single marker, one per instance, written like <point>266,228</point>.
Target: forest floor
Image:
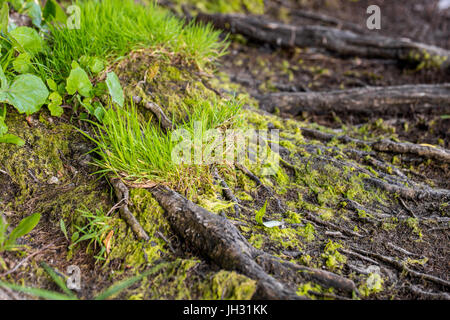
<point>358,220</point>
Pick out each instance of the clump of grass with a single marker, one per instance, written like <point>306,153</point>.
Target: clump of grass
<point>131,147</point>
<point>94,231</point>
<point>111,28</point>
<point>139,151</point>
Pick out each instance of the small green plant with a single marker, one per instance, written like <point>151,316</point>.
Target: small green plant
<point>9,242</point>
<point>260,214</point>
<point>95,230</point>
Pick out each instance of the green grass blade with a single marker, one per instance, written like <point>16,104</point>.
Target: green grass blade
<point>122,285</point>
<point>58,280</point>
<point>41,293</point>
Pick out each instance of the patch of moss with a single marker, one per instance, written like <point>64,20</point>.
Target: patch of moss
<point>226,285</point>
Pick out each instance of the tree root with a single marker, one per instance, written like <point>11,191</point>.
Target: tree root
<point>402,267</point>
<point>369,101</point>
<point>341,42</point>
<point>259,183</point>
<point>122,193</point>
<point>423,151</point>
<point>331,225</point>
<point>164,121</point>
<point>429,295</point>
<point>227,192</point>
<point>219,240</point>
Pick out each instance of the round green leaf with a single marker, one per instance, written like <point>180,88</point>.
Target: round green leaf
<point>27,93</point>
<point>78,80</point>
<point>28,39</point>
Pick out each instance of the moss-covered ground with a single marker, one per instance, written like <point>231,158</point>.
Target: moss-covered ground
<point>321,192</point>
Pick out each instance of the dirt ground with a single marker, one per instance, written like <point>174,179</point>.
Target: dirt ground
<point>418,240</point>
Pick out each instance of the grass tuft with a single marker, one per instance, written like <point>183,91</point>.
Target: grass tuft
<point>111,28</point>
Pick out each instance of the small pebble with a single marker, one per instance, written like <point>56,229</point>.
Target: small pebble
<point>53,180</point>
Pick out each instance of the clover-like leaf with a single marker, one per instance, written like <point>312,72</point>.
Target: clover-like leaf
<point>55,105</point>
<point>27,93</point>
<point>78,81</point>
<point>27,39</point>
<point>22,64</point>
<point>52,84</point>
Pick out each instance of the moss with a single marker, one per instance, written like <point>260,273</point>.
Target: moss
<point>135,253</point>
<point>223,6</point>
<point>413,223</point>
<point>307,232</point>
<point>172,284</point>
<point>225,285</point>
<point>286,238</point>
<point>40,158</point>
<point>45,179</point>
<point>373,284</point>
<point>306,289</point>
<point>333,258</point>
<point>256,240</point>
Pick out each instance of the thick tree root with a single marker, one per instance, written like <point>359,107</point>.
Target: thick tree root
<point>403,100</point>
<point>219,240</point>
<point>335,40</point>
<point>122,193</point>
<point>429,295</point>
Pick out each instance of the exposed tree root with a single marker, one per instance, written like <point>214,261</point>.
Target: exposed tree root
<point>424,151</point>
<point>404,100</point>
<point>227,192</point>
<point>219,240</point>
<point>402,267</point>
<point>332,39</point>
<point>429,295</point>
<point>164,121</point>
<point>122,193</point>
<point>259,183</point>
<point>332,21</point>
<point>331,225</point>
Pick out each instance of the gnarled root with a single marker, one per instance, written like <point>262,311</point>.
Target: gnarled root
<point>404,100</point>
<point>122,193</point>
<point>335,40</point>
<point>219,240</point>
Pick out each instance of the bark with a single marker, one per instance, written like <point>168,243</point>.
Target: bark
<point>164,121</point>
<point>403,100</point>
<point>387,146</point>
<point>122,193</point>
<point>339,41</point>
<point>220,241</point>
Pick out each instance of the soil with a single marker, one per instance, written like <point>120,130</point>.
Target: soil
<point>257,69</point>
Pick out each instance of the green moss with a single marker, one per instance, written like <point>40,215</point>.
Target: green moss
<point>307,288</point>
<point>413,223</point>
<point>373,284</point>
<point>135,253</point>
<point>333,258</point>
<point>225,285</point>
<point>223,6</point>
<point>172,283</point>
<point>256,240</point>
<point>45,179</point>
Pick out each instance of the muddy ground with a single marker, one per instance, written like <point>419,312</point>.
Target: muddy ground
<point>350,235</point>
